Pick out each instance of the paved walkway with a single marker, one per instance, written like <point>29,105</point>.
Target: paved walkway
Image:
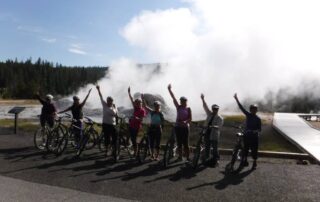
<point>299,132</point>
<point>18,190</point>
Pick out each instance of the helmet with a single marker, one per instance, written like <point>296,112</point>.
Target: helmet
<point>254,106</point>
<point>76,98</point>
<point>110,98</point>
<point>157,103</point>
<point>49,97</point>
<point>138,100</point>
<point>215,106</point>
<point>183,98</point>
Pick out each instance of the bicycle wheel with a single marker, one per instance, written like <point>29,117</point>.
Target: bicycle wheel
<point>236,160</point>
<point>143,150</point>
<point>40,138</point>
<point>53,139</point>
<point>101,143</point>
<point>198,153</point>
<point>62,143</point>
<point>71,139</point>
<point>92,138</point>
<point>168,152</point>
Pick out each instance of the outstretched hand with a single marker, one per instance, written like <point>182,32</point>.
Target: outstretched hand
<point>235,96</point>
<point>129,90</point>
<point>202,96</point>
<point>169,86</point>
<point>98,87</point>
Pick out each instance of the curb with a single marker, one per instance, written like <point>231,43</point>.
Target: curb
<point>267,154</point>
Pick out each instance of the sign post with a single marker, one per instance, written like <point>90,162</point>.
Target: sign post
<point>16,111</point>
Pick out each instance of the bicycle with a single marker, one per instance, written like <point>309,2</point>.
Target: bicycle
<point>170,148</point>
<point>200,150</point>
<point>143,148</point>
<point>40,137</point>
<point>58,139</point>
<point>89,137</point>
<point>237,153</point>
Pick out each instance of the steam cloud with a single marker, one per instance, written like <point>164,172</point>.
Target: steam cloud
<point>218,48</point>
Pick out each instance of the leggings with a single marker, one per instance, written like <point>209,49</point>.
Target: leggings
<point>133,135</point>
<point>154,136</point>
<point>251,141</point>
<point>109,130</point>
<point>214,144</point>
<point>182,134</point>
<point>77,130</point>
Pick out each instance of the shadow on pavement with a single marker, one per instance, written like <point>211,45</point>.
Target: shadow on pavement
<point>229,179</point>
<point>185,172</point>
<point>21,153</point>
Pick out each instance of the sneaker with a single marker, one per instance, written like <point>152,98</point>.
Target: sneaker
<point>254,165</point>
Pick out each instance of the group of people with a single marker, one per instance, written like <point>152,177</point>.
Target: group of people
<point>214,123</point>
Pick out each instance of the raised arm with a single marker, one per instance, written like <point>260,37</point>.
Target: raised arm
<point>42,101</point>
<point>205,106</point>
<point>68,109</point>
<point>100,95</point>
<point>85,99</point>
<point>240,105</point>
<point>144,104</point>
<point>130,96</point>
<point>175,102</point>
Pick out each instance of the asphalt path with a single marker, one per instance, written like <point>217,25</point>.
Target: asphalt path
<point>274,179</point>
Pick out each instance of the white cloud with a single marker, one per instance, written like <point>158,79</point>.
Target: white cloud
<point>77,51</point>
<point>33,29</point>
<point>220,47</point>
<point>77,48</point>
<point>49,40</point>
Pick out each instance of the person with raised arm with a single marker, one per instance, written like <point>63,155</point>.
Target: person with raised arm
<point>110,114</point>
<point>155,128</point>
<point>77,115</point>
<point>135,122</point>
<point>251,134</point>
<point>182,126</point>
<point>214,123</point>
<point>48,111</point>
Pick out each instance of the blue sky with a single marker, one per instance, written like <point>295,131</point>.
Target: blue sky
<point>71,32</point>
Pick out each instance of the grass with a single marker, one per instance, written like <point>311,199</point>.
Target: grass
<point>269,140</point>
<point>25,125</point>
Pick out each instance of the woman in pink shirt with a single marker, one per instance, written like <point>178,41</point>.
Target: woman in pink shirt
<point>184,117</point>
<point>135,122</point>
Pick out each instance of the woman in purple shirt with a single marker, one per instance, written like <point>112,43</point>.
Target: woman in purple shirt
<point>184,117</point>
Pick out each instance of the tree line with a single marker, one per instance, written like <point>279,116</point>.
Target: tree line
<point>22,79</point>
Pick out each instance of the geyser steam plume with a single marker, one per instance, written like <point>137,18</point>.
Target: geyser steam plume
<point>218,48</point>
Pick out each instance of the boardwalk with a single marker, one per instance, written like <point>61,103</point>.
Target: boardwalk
<point>299,132</point>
